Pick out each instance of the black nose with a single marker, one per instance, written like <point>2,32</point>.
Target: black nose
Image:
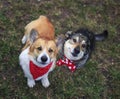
<point>77,50</point>
<point>44,58</point>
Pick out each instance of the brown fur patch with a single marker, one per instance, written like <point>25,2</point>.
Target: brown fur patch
<point>43,26</point>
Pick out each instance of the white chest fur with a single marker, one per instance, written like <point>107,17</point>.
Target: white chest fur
<point>24,60</point>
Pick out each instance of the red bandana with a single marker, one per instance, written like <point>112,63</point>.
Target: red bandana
<point>68,63</point>
<point>38,71</point>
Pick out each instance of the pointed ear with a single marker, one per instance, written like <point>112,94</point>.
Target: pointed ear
<point>68,34</point>
<point>33,35</point>
<point>59,41</point>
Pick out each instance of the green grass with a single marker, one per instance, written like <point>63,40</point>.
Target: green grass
<point>99,79</point>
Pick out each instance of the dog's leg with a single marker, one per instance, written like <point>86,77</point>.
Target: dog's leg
<point>82,63</point>
<point>30,82</point>
<point>45,81</point>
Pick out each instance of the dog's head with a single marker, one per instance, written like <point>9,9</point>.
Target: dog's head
<point>42,50</point>
<point>75,46</point>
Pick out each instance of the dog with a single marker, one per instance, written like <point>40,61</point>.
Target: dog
<point>38,57</point>
<point>77,47</point>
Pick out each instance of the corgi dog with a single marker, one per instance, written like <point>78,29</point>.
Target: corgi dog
<point>38,58</point>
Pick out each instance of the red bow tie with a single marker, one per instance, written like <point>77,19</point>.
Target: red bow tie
<point>68,63</point>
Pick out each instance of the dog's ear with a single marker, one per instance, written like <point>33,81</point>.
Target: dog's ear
<point>68,34</point>
<point>33,35</point>
<point>60,41</point>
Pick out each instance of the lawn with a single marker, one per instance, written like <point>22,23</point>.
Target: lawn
<point>98,79</point>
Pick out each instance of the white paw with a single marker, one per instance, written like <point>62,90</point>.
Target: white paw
<point>45,83</point>
<point>31,83</point>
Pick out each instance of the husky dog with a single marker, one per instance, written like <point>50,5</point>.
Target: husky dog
<point>76,47</point>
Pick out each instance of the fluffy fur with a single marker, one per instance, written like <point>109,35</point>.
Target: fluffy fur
<point>78,46</point>
<point>44,28</point>
<point>40,48</point>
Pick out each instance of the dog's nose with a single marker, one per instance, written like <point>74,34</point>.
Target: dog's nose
<point>77,50</point>
<point>44,58</point>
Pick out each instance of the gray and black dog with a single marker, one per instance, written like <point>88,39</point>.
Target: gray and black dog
<point>78,46</point>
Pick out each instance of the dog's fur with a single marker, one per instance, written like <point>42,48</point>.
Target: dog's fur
<point>44,28</point>
<point>40,48</point>
<point>78,46</point>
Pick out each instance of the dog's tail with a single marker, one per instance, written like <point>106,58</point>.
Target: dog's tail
<point>102,36</point>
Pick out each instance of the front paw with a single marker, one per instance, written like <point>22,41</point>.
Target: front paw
<point>31,83</point>
<point>45,83</point>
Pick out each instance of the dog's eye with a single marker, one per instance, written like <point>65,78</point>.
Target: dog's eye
<point>74,40</point>
<point>50,50</point>
<point>39,48</point>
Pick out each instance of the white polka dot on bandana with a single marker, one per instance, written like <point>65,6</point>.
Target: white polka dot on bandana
<point>69,67</point>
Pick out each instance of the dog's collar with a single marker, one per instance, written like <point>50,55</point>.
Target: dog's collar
<point>38,71</point>
<point>70,64</point>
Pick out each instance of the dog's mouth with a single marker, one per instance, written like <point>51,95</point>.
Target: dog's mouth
<point>74,54</point>
<point>42,63</point>
<point>43,60</point>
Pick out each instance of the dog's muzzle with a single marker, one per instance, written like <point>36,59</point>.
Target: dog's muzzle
<point>76,51</point>
<point>43,59</point>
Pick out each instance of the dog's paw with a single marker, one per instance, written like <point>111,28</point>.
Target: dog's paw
<point>45,83</point>
<point>31,83</point>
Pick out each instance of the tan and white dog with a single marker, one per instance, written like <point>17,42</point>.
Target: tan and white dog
<point>38,57</point>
